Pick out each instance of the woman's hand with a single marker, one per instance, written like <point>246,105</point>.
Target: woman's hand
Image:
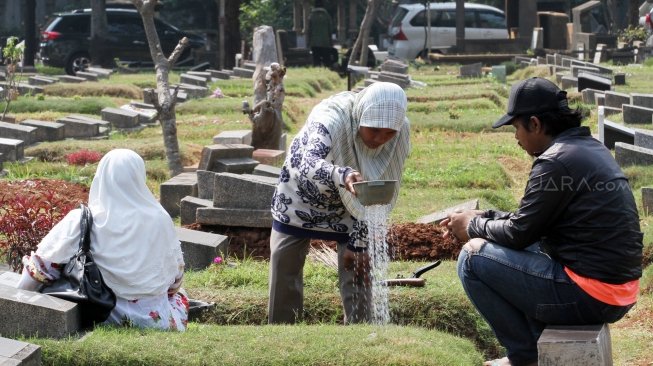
<point>352,178</point>
<point>359,262</point>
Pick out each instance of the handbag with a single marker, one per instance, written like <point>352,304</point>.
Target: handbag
<point>81,281</point>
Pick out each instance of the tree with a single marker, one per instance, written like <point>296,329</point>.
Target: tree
<point>99,53</point>
<point>164,100</point>
<point>30,33</point>
<point>364,34</point>
<point>12,53</point>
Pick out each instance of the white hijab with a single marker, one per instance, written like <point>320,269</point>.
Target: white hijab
<point>380,105</point>
<point>133,239</point>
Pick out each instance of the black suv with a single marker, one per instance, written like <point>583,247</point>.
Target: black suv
<point>65,42</point>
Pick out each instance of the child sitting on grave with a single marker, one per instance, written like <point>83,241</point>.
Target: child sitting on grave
<point>133,241</point>
<point>347,138</point>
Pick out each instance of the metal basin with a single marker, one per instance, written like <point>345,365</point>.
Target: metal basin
<point>375,192</point>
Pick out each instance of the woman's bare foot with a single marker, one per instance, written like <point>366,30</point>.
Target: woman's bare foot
<point>498,362</point>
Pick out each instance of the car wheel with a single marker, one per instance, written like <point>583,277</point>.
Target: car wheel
<point>77,62</point>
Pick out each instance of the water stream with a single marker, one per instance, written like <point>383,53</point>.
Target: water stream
<point>376,217</point>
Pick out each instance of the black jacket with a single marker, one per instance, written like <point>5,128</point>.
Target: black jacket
<point>579,205</point>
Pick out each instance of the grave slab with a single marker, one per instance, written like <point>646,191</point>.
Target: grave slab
<point>13,352</point>
<point>436,217</point>
<point>599,99</point>
<point>267,171</point>
<point>588,345</point>
<point>235,165</point>
<point>70,79</point>
<point>471,71</point>
<point>11,150</point>
<point>189,206</point>
<point>595,82</point>
<point>200,248</point>
<point>205,184</point>
<point>194,91</point>
<point>614,132</point>
<point>192,80</point>
<point>40,80</point>
<point>77,128</point>
<point>234,217</point>
<point>394,66</point>
<point>588,94</point>
<point>120,118</point>
<point>87,75</point>
<point>146,116</point>
<point>18,132</point>
<point>102,73</point>
<point>234,137</point>
<point>27,313</point>
<point>644,138</point>
<point>635,114</point>
<point>642,100</point>
<point>620,78</point>
<point>269,156</point>
<point>568,82</point>
<point>615,99</point>
<point>576,70</point>
<point>499,73</point>
<point>243,191</point>
<point>243,72</point>
<point>647,200</point>
<point>220,74</point>
<point>46,131</point>
<point>176,188</point>
<point>627,154</point>
<point>215,152</point>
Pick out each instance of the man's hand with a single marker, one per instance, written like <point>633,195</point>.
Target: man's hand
<point>457,222</point>
<point>352,178</point>
<point>359,262</point>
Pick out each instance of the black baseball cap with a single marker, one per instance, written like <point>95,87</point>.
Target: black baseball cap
<point>533,96</point>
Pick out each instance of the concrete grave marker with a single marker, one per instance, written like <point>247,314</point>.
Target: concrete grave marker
<point>212,153</point>
<point>269,156</point>
<point>243,191</point>
<point>13,352</point>
<point>77,128</point>
<point>176,188</point>
<point>620,78</point>
<point>592,81</point>
<point>46,131</point>
<point>642,100</point>
<point>635,114</point>
<point>647,200</point>
<point>189,206</point>
<point>471,71</point>
<point>568,82</point>
<point>499,73</point>
<point>205,184</point>
<point>200,248</point>
<point>644,138</point>
<point>615,132</point>
<point>616,100</point>
<point>587,345</point>
<point>627,154</point>
<point>235,165</point>
<point>267,171</point>
<point>436,217</point>
<point>120,118</point>
<point>146,116</point>
<point>234,137</point>
<point>11,150</point>
<point>18,132</point>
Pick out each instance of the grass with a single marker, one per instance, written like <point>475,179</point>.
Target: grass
<point>456,156</point>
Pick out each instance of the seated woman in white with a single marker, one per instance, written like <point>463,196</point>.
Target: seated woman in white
<point>133,242</point>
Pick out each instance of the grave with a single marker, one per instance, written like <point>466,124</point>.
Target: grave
<point>41,80</point>
<point>499,73</point>
<point>243,191</point>
<point>189,206</point>
<point>269,157</point>
<point>120,118</point>
<point>213,153</point>
<point>620,78</point>
<point>615,132</point>
<point>599,99</point>
<point>267,171</point>
<point>176,188</point>
<point>402,80</point>
<point>616,100</point>
<point>235,165</point>
<point>575,70</point>
<point>394,66</point>
<point>644,138</point>
<point>627,154</point>
<point>200,248</point>
<point>471,71</point>
<point>192,80</point>
<point>18,132</point>
<point>220,74</point>
<point>46,131</point>
<point>76,128</point>
<point>11,150</point>
<point>89,76</point>
<point>31,314</point>
<point>234,217</point>
<point>588,94</point>
<point>588,345</point>
<point>100,72</point>
<point>146,116</point>
<point>436,217</point>
<point>243,137</point>
<point>70,79</point>
<point>647,200</point>
<point>636,114</point>
<point>17,353</point>
<point>568,82</point>
<point>242,72</point>
<point>194,91</point>
<point>205,184</point>
<point>642,100</point>
<point>591,81</point>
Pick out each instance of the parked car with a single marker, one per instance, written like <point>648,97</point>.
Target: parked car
<point>65,41</point>
<point>409,26</point>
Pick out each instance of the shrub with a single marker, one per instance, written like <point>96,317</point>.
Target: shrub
<point>29,209</point>
<point>83,157</point>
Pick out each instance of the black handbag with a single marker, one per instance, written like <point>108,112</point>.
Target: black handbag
<point>81,281</point>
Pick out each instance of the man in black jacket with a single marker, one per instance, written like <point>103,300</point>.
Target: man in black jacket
<point>571,253</point>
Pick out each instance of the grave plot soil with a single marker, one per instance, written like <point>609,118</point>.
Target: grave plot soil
<point>407,241</point>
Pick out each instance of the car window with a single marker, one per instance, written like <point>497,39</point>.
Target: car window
<point>419,20</point>
<point>398,17</point>
<point>73,24</point>
<point>125,26</point>
<point>448,19</point>
<point>491,19</point>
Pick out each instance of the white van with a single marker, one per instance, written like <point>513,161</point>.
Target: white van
<point>408,27</point>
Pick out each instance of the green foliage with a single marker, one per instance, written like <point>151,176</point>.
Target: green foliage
<point>254,13</point>
<point>83,105</point>
<point>12,54</point>
<point>630,34</point>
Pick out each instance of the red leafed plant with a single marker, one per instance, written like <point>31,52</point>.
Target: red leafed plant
<point>83,157</point>
<point>29,209</point>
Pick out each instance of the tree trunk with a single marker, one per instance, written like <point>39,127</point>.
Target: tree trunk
<point>99,53</point>
<point>30,33</point>
<point>361,41</point>
<point>460,26</point>
<point>165,100</point>
<point>231,32</point>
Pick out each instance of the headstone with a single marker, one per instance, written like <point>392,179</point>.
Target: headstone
<point>472,70</point>
<point>436,217</point>
<point>575,70</point>
<point>235,165</point>
<point>234,137</point>
<point>560,75</point>
<point>194,91</point>
<point>13,352</point>
<point>537,42</point>
<point>146,116</point>
<point>176,188</point>
<point>120,118</point>
<point>70,79</point>
<point>550,59</point>
<point>18,132</point>
<point>588,94</point>
<point>243,72</point>
<point>614,132</point>
<point>11,150</point>
<point>243,191</point>
<point>269,157</point>
<point>220,74</point>
<point>568,82</point>
<point>212,153</point>
<point>267,171</point>
<point>102,73</point>
<point>189,206</point>
<point>647,200</point>
<point>76,128</point>
<point>283,142</point>
<point>192,80</point>
<point>642,100</point>
<point>499,73</point>
<point>205,184</point>
<point>609,111</point>
<point>635,114</point>
<point>616,100</point>
<point>594,82</point>
<point>588,345</point>
<point>200,248</point>
<point>599,99</point>
<point>46,131</point>
<point>394,66</point>
<point>87,75</point>
<point>644,138</point>
<point>31,314</point>
<point>627,154</point>
<point>40,80</point>
<point>203,74</point>
<point>599,54</point>
<point>620,78</point>
<point>234,217</point>
<point>402,80</point>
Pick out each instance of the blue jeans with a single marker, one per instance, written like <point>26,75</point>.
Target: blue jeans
<point>520,292</point>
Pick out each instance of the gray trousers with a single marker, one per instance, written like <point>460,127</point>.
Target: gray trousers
<point>286,302</point>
